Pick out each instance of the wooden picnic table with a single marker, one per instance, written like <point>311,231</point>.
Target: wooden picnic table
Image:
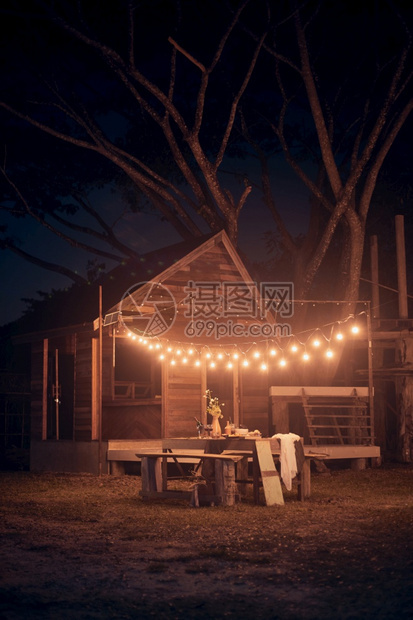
<point>261,451</point>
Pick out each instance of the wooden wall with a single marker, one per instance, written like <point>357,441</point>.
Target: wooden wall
<point>38,414</point>
<point>83,388</point>
<point>43,357</point>
<point>132,420</point>
<point>183,389</point>
<point>254,401</point>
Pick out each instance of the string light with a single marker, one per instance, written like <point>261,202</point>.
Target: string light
<point>256,354</point>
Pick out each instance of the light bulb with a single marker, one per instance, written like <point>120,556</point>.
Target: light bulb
<point>316,343</point>
<point>283,362</point>
<point>339,336</point>
<point>355,329</point>
<point>329,353</point>
<point>306,357</point>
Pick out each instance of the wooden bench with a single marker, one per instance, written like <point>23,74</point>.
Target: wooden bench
<point>222,475</point>
<point>303,475</point>
<point>220,485</point>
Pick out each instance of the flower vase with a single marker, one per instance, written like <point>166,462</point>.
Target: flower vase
<point>216,427</point>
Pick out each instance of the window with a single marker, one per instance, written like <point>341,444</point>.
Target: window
<point>137,372</point>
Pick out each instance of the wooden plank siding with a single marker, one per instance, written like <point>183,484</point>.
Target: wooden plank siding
<point>38,389</point>
<point>83,388</point>
<point>132,421</point>
<point>214,261</point>
<point>183,385</point>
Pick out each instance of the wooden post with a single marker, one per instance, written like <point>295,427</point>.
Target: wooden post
<point>225,486</point>
<point>45,384</point>
<point>241,469</point>
<point>404,385</point>
<point>151,472</point>
<point>280,416</point>
<point>374,260</point>
<point>401,267</point>
<point>370,368</point>
<point>57,392</point>
<point>100,381</point>
<point>404,396</point>
<point>235,392</point>
<point>304,483</point>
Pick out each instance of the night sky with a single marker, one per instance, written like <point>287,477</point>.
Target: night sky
<point>143,231</point>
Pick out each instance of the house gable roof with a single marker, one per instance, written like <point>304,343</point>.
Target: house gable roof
<point>191,289</point>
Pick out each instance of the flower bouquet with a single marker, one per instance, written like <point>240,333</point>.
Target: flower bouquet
<point>214,409</point>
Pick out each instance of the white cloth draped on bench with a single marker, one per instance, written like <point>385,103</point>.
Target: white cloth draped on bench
<point>288,459</point>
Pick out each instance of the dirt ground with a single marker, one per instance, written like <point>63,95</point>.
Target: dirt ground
<point>79,546</point>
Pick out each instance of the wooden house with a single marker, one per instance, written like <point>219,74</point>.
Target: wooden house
<point>94,384</point>
<point>139,372</point>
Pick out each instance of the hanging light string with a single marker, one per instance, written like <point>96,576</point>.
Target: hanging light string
<point>266,353</point>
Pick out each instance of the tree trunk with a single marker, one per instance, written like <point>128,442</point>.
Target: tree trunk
<point>404,393</point>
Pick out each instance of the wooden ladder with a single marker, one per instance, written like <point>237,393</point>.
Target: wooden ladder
<point>346,420</point>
